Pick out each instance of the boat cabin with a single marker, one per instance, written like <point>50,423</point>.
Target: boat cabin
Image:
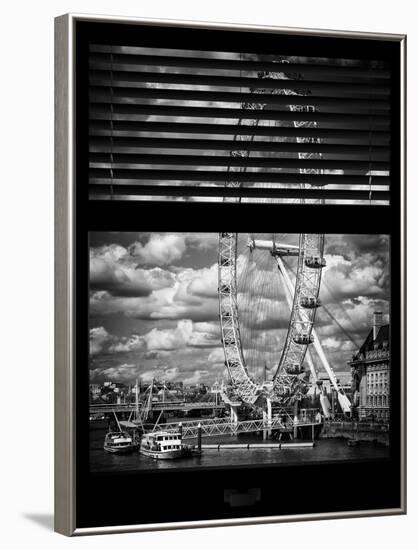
<point>118,442</point>
<point>162,441</point>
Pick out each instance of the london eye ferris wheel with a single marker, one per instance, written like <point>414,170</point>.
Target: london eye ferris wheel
<point>271,282</point>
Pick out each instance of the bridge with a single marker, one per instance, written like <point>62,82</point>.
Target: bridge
<point>227,426</point>
<point>211,427</point>
<point>96,408</point>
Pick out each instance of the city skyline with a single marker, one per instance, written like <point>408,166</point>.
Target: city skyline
<point>154,306</point>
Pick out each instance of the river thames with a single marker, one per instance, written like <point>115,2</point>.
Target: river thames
<point>325,450</point>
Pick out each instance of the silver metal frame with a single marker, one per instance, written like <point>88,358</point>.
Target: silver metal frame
<point>65,257</point>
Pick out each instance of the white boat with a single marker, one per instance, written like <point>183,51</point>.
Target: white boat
<point>118,442</point>
<point>162,445</point>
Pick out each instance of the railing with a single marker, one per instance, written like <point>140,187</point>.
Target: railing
<point>108,407</point>
<point>215,427</point>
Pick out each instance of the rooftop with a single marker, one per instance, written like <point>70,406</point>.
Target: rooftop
<point>373,348</point>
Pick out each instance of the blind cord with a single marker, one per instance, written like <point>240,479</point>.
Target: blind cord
<point>370,151</point>
<point>111,126</point>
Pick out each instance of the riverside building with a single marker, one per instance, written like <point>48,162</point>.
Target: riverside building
<point>371,373</point>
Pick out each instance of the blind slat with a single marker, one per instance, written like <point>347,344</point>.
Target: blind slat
<point>129,112</point>
<point>249,192</point>
<point>129,144</point>
<point>198,160</point>
<point>103,60</point>
<point>121,79</point>
<point>243,177</point>
<point>120,127</point>
<point>126,95</point>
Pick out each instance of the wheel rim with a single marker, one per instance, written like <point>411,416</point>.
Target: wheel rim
<point>307,286</point>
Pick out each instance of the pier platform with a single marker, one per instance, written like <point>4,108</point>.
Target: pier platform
<point>254,446</point>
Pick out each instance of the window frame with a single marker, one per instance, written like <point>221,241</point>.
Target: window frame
<point>74,215</point>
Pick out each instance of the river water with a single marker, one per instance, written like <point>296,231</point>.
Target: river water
<point>325,450</point>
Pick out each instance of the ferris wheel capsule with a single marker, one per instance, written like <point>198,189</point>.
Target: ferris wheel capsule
<point>315,262</point>
<point>295,369</point>
<point>303,338</point>
<point>310,302</point>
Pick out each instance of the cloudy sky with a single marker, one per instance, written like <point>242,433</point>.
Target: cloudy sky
<point>154,306</point>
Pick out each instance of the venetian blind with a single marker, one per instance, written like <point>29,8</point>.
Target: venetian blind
<point>184,124</point>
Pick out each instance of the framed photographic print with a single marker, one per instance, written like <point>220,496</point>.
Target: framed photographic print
<point>230,288</point>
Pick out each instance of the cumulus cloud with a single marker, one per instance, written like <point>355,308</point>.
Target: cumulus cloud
<point>99,338</point>
<point>162,288</point>
<point>156,343</point>
<point>343,279</point>
<point>202,241</point>
<point>169,339</point>
<point>113,270</point>
<point>120,373</point>
<point>216,356</point>
<point>183,335</point>
<point>159,250</point>
<point>333,343</point>
<point>353,246</point>
<point>188,293</point>
<point>203,284</point>
<point>127,344</point>
<point>208,328</point>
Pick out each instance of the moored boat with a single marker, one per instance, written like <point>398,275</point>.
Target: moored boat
<point>162,445</point>
<point>118,442</point>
